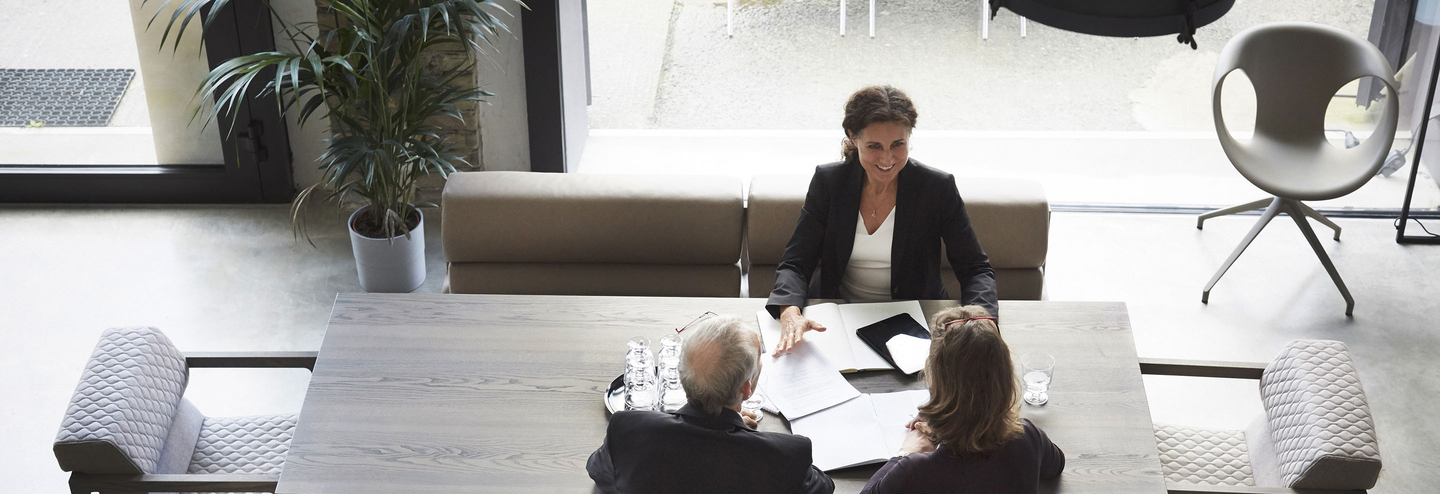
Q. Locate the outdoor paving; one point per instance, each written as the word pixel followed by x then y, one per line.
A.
pixel 787 67
pixel 1096 119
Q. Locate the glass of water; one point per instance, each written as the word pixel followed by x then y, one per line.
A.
pixel 753 405
pixel 1038 368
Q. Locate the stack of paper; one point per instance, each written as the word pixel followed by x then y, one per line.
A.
pixel 803 382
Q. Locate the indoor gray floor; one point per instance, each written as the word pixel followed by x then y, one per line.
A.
pixel 233 278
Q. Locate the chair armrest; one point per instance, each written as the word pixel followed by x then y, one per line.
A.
pixel 252 359
pixel 1201 368
pixel 80 482
pixel 1245 489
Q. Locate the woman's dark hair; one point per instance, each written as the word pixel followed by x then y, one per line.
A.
pixel 974 395
pixel 874 104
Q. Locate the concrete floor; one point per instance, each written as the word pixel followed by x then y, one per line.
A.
pixel 234 278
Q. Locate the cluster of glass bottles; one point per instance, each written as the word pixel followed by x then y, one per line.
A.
pixel 651 382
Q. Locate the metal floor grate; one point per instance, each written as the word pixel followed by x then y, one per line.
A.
pixel 61 97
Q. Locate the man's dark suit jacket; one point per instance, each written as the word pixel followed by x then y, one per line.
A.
pixel 1017 468
pixel 928 209
pixel 690 451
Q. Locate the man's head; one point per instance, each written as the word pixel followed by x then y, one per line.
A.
pixel 721 363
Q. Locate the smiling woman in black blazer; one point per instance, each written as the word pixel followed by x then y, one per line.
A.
pixel 873 224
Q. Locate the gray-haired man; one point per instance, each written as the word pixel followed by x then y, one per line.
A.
pixel 707 446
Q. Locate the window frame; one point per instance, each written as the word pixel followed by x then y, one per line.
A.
pixel 257 151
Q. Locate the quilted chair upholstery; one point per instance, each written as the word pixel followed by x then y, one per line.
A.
pixel 1319 420
pixel 1316 432
pixel 1203 457
pixel 243 444
pixel 120 415
pixel 128 417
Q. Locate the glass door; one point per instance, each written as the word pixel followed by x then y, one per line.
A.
pixel 93 108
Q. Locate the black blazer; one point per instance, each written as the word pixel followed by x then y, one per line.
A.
pixel 1017 468
pixel 691 451
pixel 927 208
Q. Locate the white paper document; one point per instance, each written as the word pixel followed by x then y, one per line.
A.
pixel 908 352
pixel 803 382
pixel 838 342
pixel 867 429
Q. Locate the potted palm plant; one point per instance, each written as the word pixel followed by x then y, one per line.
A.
pixel 383 102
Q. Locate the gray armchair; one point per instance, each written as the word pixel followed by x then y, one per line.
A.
pixel 129 428
pixel 1316 434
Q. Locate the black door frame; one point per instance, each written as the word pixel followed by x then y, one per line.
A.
pixel 257 150
pixel 545 90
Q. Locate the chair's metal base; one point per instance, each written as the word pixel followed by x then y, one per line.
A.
pixel 1250 206
pixel 1297 212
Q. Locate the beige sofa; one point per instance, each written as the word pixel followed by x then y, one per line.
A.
pixel 680 235
pixel 574 234
pixel 1011 217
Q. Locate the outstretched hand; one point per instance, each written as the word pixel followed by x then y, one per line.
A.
pixel 793 326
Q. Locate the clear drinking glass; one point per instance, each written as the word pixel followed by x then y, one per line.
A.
pixel 672 394
pixel 640 392
pixel 1038 369
pixel 753 404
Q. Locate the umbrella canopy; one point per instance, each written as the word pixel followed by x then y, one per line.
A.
pixel 1121 18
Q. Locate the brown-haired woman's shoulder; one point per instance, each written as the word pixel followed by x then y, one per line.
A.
pixel 1052 459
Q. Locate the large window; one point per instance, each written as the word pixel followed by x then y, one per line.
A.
pixel 95 109
pixel 1100 121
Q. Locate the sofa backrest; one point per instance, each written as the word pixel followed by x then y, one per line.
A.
pixel 120 415
pixel 1319 419
pixel 1011 218
pixel 585 234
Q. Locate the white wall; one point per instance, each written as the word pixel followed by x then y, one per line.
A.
pixel 306 143
pixel 504 126
pixel 170 76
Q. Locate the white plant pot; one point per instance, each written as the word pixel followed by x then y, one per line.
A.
pixel 389 266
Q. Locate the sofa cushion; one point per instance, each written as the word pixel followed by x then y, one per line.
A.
pixel 1319 418
pixel 523 217
pixel 1011 218
pixel 121 412
pixel 640 280
pixel 1012 284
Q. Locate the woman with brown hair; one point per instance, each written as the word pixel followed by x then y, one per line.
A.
pixel 873 223
pixel 969 438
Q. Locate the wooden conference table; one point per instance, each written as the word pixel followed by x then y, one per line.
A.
pixel 419 394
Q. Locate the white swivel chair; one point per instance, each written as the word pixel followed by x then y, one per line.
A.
pixel 1296 68
pixel 1316 433
pixel 129 429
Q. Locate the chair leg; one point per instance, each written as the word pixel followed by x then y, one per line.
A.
pixel 872 18
pixel 985 19
pixel 1232 210
pixel 842 17
pixel 1298 214
pixel 1270 212
pixel 730 18
pixel 1311 212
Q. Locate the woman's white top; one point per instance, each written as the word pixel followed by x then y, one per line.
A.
pixel 867 276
